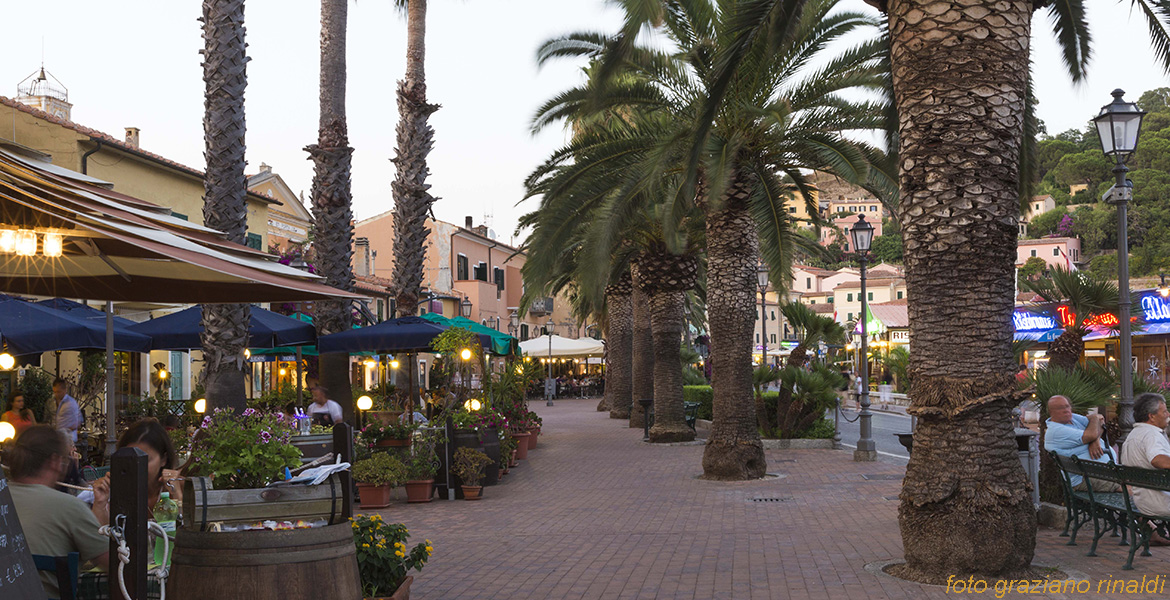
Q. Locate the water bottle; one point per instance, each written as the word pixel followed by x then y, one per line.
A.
pixel 166 514
pixel 304 424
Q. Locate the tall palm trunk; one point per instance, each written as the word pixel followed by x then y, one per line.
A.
pixel 642 375
pixel 412 201
pixel 733 450
pixel 959 74
pixel 619 365
pixel 666 278
pixel 225 326
pixel 1065 351
pixel 332 212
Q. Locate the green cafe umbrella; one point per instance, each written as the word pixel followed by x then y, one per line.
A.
pixel 502 343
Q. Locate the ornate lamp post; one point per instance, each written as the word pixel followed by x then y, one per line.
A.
pixel 465 308
pixel 862 234
pixel 1118 126
pixel 762 279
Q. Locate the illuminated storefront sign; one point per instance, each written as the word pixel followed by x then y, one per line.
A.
pixel 1155 308
pixel 1026 321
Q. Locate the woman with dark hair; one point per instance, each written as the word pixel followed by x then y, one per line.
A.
pixel 20 417
pixel 149 436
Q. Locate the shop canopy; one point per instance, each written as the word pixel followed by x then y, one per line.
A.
pixel 79 310
pixel 30 328
pixel 266 329
pixel 502 343
pixel 116 247
pixel 561 347
pixel 404 334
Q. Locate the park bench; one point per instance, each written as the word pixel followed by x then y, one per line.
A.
pixel 1117 509
pixel 1081 507
pixel 690 414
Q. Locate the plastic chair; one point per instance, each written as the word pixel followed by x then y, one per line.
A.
pixel 66 568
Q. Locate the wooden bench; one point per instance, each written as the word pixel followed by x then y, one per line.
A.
pixel 1136 528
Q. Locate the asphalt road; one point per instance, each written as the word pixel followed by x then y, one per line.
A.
pixel 885 425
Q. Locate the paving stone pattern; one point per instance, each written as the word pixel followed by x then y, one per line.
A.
pixel 595 513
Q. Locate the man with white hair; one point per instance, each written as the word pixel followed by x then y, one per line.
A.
pixel 1148 448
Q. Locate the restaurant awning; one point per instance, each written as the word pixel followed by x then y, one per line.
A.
pixel 266 329
pixel 502 343
pixel 539 347
pixel 404 334
pixel 116 247
pixel 30 328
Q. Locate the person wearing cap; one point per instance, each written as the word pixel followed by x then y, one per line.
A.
pixel 322 405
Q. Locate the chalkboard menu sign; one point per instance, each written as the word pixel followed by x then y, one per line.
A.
pixel 19 579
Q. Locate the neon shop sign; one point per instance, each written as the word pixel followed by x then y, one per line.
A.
pixel 1155 308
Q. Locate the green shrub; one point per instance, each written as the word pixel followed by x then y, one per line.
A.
pixel 37 386
pixel 380 469
pixel 823 429
pixel 701 394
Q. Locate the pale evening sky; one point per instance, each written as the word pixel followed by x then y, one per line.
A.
pixel 136 63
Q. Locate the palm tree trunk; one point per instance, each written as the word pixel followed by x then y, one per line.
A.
pixel 412 201
pixel 666 321
pixel 1065 351
pixel 959 73
pixel 642 375
pixel 733 450
pixel 619 365
pixel 332 199
pixel 225 326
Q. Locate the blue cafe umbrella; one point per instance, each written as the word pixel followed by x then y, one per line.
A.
pixel 80 310
pixel 266 329
pixel 28 328
pixel 404 334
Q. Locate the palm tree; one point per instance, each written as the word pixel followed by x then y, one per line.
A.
pixel 960 78
pixel 412 200
pixel 738 139
pixel 225 326
pixel 813 329
pixel 332 199
pixel 1086 296
pixel 642 346
pixel 619 348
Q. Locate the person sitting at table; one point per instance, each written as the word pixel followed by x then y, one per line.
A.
pixel 323 406
pixel 1070 434
pixel 149 436
pixel 20 417
pixel 1148 448
pixel 54 523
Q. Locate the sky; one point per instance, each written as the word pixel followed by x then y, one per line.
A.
pixel 136 63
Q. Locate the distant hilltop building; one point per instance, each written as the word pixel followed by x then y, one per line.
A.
pixel 43 91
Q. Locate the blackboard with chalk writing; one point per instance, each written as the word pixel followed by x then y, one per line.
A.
pixel 19 579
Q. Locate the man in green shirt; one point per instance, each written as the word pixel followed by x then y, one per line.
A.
pixel 54 523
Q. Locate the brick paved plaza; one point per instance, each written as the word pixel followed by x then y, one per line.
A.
pixel 595 513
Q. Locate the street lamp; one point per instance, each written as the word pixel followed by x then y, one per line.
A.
pixel 465 308
pixel 762 279
pixel 549 386
pixel 862 234
pixel 1163 289
pixel 1118 126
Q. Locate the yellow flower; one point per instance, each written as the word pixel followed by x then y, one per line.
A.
pixel 399 554
pixel 365 545
pixel 429 549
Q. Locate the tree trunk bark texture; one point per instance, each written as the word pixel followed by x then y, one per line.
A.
pixel 642 346
pixel 1065 351
pixel 959 72
pixel 733 450
pixel 619 365
pixel 667 321
pixel 332 199
pixel 412 199
pixel 225 326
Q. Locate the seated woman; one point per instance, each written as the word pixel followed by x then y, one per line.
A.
pixel 54 523
pixel 20 417
pixel 149 436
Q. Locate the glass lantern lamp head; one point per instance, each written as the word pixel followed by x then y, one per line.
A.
pixel 762 276
pixel 465 308
pixel 1118 126
pixel 862 234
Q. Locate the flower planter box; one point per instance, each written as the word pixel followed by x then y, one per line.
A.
pixel 402 593
pixel 472 492
pixel 203 504
pixel 522 444
pixel 533 434
pixel 374 496
pixel 419 491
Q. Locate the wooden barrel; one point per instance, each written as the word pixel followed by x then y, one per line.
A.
pixel 265 565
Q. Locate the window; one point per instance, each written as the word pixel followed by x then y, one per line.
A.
pixel 773 336
pixel 792 210
pixel 253 241
pixel 498 277
pixel 524 331
pixel 900 292
pixel 380 317
pixel 1033 253
pixel 829 300
pixel 872 208
pixel 849 317
pixel 773 315
pixel 481 272
pixel 461 268
pixel 808 283
pixel 849 297
pixel 757 338
pixel 870 296
pixel 1056 251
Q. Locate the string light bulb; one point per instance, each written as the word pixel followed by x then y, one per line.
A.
pixel 7 241
pixel 54 245
pixel 26 242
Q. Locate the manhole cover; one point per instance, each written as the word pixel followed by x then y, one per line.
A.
pixel 881 476
pixel 784 499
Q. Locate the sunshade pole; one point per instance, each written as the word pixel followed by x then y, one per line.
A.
pixel 300 399
pixel 410 387
pixel 111 408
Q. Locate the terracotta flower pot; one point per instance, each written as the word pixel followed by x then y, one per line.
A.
pixel 374 496
pixel 419 491
pixel 402 593
pixel 392 443
pixel 522 445
pixel 532 435
pixel 472 492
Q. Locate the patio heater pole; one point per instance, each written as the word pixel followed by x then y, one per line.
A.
pixel 111 406
pixel 300 393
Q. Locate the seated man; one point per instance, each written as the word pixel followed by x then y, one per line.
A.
pixel 1147 448
pixel 54 523
pixel 1070 434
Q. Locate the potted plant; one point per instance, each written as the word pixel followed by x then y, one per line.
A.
pixel 507 452
pixel 468 467
pixel 383 559
pixel 394 434
pixel 375 476
pixel 420 478
pixel 534 423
